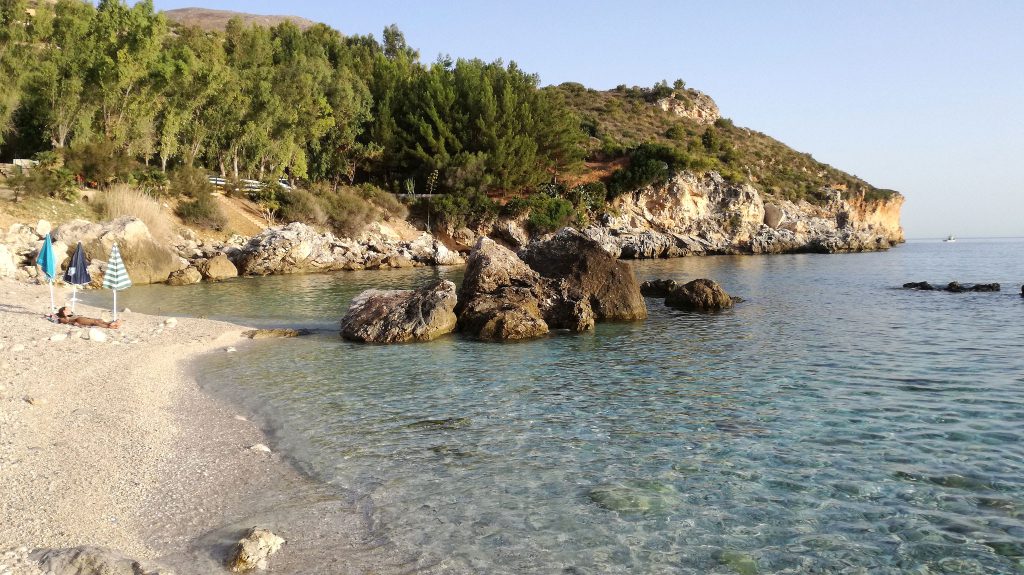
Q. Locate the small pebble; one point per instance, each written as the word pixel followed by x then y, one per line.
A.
pixel 171 322
pixel 35 401
pixel 261 448
pixel 238 417
pixel 17 348
pixel 230 350
pixel 58 337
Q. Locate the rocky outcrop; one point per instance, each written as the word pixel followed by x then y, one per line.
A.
pixel 565 282
pixel 21 244
pixel 253 550
pixel 298 248
pixel 699 215
pixel 89 560
pixel 146 260
pixel 608 285
pixel 657 288
pixel 693 105
pixel 698 295
pixel 8 269
pixel 397 316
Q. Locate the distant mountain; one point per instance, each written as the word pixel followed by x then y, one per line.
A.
pixel 217 20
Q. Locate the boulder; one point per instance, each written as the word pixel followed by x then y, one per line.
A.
pixel 923 286
pixel 608 284
pixel 502 298
pixel 294 248
pixel 187 276
pixel 657 288
pixel 253 550
pixel 773 216
pixel 90 560
pixel 217 268
pixel 957 287
pixel 7 266
pixel 699 295
pixel 43 227
pixel 146 260
pixel 511 314
pixel 394 316
pixel 512 232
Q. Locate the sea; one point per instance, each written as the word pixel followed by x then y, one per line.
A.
pixel 832 422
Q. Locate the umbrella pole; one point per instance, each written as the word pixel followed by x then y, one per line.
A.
pixel 53 309
pixel 115 304
pixel 74 298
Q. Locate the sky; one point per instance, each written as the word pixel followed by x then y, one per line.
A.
pixel 924 97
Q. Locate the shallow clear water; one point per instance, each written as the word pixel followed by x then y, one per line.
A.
pixel 831 423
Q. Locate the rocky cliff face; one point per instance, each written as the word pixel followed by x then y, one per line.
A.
pixel 694 215
pixel 697 106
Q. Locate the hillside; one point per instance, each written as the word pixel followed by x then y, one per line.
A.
pixel 687 125
pixel 217 20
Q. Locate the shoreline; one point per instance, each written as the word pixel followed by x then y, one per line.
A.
pixel 115 444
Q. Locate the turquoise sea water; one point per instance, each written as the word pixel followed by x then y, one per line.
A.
pixel 831 423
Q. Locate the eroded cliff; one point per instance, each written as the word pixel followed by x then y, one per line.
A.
pixel 703 214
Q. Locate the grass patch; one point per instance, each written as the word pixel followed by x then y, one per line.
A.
pixel 121 200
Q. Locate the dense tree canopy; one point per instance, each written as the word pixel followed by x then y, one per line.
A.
pixel 269 102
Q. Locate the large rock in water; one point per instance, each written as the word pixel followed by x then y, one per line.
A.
pixel 217 268
pixel 699 295
pixel 500 298
pixel 294 248
pixel 146 260
pixel 395 316
pixel 605 282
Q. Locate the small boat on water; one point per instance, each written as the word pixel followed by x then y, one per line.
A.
pixel 950 239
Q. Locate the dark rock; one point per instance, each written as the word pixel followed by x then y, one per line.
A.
pixel 985 287
pixel 394 316
pixel 957 287
pixel 657 288
pixel 608 284
pixel 511 314
pixel 274 333
pixel 923 286
pixel 447 423
pixel 699 295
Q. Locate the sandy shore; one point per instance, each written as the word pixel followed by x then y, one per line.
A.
pixel 113 443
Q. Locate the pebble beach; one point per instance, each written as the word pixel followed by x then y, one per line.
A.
pixel 107 440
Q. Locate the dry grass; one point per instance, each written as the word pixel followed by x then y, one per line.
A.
pixel 122 200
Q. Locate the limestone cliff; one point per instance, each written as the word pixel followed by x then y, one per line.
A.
pixel 703 214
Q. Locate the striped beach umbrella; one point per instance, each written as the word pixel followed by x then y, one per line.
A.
pixel 48 263
pixel 116 276
pixel 77 273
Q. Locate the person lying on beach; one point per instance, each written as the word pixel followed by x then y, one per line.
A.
pixel 64 317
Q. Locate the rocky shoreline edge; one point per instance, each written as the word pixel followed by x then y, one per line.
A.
pixel 110 450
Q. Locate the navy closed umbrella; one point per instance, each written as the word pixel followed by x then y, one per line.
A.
pixel 77 273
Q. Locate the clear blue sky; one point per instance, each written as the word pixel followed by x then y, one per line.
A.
pixel 925 97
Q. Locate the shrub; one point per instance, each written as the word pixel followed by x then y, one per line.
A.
pixel 48 178
pixel 459 209
pixel 348 213
pixel 122 200
pixel 99 163
pixel 302 206
pixel 549 214
pixel 390 205
pixel 202 211
pixel 190 182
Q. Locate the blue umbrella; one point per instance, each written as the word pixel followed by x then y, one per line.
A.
pixel 48 263
pixel 77 273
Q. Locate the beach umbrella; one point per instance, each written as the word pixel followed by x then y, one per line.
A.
pixel 116 277
pixel 77 273
pixel 46 261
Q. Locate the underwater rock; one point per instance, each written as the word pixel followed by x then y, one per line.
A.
pixel 699 295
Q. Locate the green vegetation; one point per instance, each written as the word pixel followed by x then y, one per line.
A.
pixel 622 122
pixel 113 93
